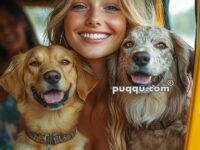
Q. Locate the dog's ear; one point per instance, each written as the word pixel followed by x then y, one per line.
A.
pixel 184 55
pixel 86 81
pixel 11 80
pixel 112 62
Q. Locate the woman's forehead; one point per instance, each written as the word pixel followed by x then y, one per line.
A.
pixel 5 16
pixel 94 1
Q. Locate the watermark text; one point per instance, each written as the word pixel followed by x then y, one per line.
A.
pixel 138 89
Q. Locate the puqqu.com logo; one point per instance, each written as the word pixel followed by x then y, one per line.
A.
pixel 141 89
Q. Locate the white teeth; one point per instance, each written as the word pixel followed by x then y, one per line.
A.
pixel 94 36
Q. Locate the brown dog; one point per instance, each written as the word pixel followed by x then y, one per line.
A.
pixel 50 86
pixel 152 58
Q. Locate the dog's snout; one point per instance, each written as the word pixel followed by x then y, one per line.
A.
pixel 52 77
pixel 141 58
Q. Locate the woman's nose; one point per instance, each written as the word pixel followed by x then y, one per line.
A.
pixel 94 18
pixel 5 29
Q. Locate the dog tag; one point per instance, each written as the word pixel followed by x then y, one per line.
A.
pixel 48 147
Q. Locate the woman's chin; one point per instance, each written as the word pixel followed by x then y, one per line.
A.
pixel 95 55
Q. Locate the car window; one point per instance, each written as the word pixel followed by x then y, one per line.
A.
pixel 182 19
pixel 39 16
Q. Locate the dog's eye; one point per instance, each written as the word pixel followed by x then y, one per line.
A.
pixel 35 63
pixel 160 45
pixel 64 62
pixel 128 44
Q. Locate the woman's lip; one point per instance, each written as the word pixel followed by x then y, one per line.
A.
pixel 94 37
pixel 93 32
pixel 93 41
pixel 10 38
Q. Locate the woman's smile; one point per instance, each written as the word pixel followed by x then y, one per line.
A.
pixel 97 29
pixel 94 37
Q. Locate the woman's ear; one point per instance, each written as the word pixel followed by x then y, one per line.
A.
pixel 12 79
pixel 184 54
pixel 24 24
pixel 86 82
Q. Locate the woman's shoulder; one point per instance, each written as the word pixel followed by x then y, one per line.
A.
pixel 3 66
pixel 3 93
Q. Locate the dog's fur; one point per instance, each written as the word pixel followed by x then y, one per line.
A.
pixel 26 71
pixel 152 56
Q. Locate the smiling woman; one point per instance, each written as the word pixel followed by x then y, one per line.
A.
pixel 95 29
pixel 16 33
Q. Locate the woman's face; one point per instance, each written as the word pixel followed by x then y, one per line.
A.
pixel 12 33
pixel 95 28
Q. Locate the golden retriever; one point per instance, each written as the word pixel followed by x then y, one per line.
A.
pixel 50 85
pixel 149 119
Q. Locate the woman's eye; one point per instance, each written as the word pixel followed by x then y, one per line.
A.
pixel 78 7
pixel 35 63
pixel 160 45
pixel 12 22
pixel 112 8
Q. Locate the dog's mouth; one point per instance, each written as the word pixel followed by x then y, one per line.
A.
pixel 141 78
pixel 52 99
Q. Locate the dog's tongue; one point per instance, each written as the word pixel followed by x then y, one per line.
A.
pixel 141 78
pixel 53 97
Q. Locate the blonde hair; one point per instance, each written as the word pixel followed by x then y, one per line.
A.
pixel 137 12
pixel 55 27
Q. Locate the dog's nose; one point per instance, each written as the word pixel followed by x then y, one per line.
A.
pixel 141 58
pixel 52 77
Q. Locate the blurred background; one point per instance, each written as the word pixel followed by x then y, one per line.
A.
pixel 38 15
pixel 182 18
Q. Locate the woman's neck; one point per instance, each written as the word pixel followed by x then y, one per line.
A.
pixel 23 48
pixel 99 67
